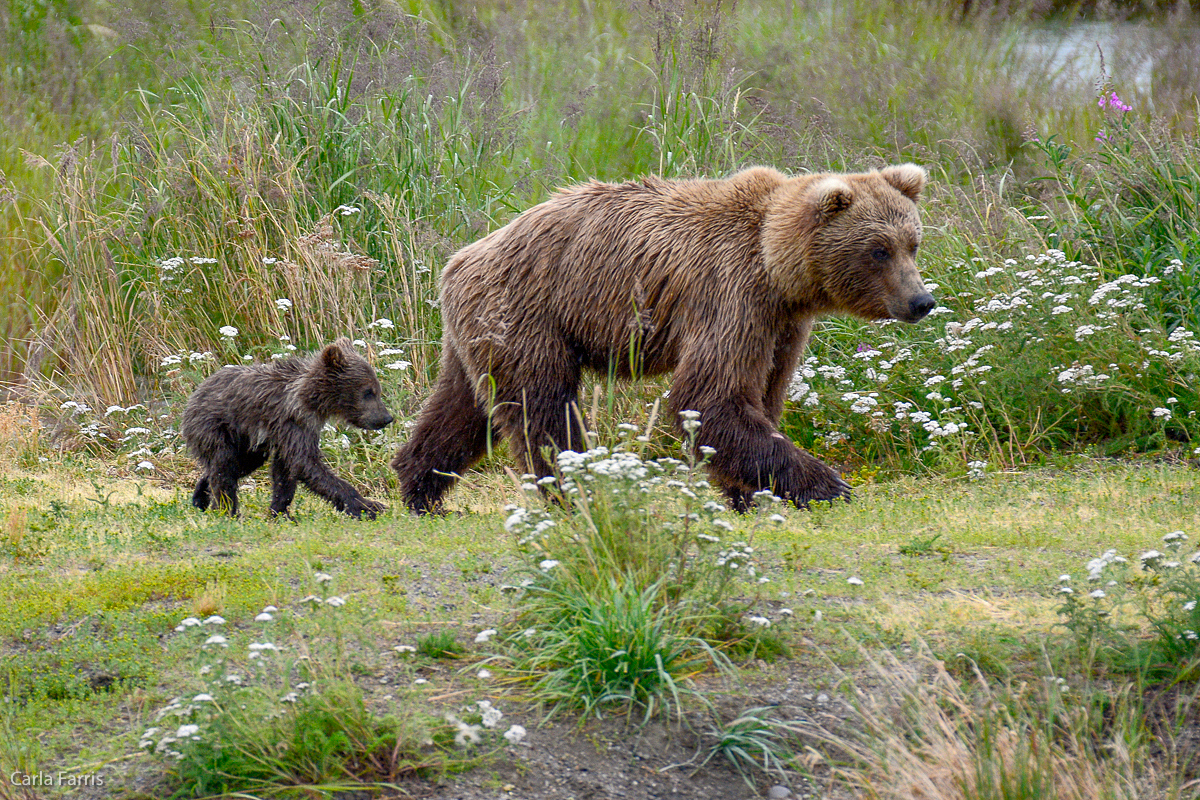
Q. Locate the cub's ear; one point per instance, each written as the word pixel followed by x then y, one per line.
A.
pixel 830 197
pixel 908 179
pixel 333 357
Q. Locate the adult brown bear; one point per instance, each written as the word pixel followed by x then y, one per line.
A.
pixel 718 280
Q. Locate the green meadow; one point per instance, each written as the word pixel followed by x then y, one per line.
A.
pixel 1007 609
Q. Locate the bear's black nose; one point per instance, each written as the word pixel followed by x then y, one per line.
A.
pixel 921 305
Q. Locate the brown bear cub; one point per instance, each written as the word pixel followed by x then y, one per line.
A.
pixel 718 280
pixel 245 414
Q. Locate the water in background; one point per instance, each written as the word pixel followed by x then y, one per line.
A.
pixel 1147 60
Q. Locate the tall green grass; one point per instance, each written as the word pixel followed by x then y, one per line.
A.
pixel 180 170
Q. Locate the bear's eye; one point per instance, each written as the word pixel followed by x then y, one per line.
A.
pixel 369 394
pixel 880 254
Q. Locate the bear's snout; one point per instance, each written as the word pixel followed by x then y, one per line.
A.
pixel 919 306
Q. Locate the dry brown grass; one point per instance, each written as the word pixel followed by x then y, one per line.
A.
pixel 925 735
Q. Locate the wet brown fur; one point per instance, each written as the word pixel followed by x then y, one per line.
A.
pixel 243 415
pixel 718 280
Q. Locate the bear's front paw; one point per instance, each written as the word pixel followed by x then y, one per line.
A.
pixel 361 507
pixel 820 483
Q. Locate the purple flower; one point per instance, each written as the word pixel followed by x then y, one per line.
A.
pixel 1113 100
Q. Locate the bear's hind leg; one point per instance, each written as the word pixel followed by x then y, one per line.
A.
pixel 451 434
pixel 543 417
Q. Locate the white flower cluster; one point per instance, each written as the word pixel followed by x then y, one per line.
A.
pixel 1045 307
pixel 489 717
pixel 1082 375
pixel 193 358
pixel 1098 566
pixel 1124 299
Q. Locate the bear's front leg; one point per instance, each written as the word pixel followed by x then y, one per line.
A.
pixel 283 488
pixel 752 456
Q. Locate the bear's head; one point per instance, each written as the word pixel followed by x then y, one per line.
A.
pixel 848 243
pixel 341 383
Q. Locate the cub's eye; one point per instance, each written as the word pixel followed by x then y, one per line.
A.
pixel 880 254
pixel 369 394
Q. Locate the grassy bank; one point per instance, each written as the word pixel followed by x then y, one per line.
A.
pixel 99 573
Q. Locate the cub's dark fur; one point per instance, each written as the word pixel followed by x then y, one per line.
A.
pixel 246 414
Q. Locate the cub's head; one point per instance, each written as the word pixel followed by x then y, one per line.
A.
pixel 340 383
pixel 848 243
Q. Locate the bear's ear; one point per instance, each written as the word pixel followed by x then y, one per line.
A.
pixel 908 179
pixel 830 197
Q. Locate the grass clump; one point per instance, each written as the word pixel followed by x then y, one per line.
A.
pixel 612 646
pixel 755 741
pixel 440 644
pixel 635 581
